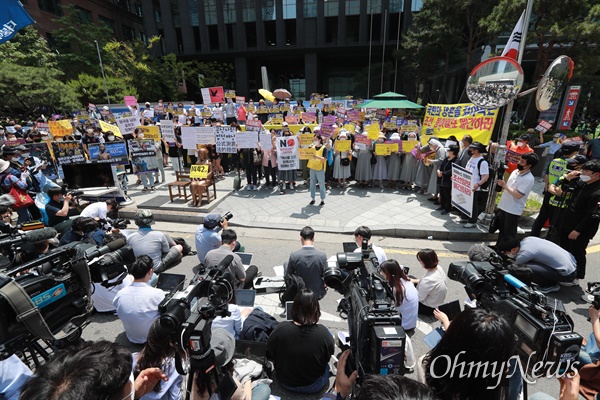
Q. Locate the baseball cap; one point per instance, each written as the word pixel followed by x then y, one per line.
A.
pixel 285 124
pixel 525 138
pixel 557 135
pixel 570 147
pixel 211 220
pixel 223 345
pixel 579 159
pixel 4 165
pixel 479 146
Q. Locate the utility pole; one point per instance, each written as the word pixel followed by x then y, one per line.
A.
pixel 102 69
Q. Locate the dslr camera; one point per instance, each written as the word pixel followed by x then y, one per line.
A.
pixel 377 340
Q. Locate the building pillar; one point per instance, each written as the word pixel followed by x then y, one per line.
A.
pixel 170 37
pixel 186 28
pixel 241 77
pixel 311 73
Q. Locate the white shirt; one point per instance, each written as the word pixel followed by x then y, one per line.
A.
pixel 522 183
pixel 169 390
pixel 432 287
pixel 103 297
pixel 95 210
pixel 13 374
pixel 379 253
pixel 409 308
pixel 232 324
pixel 477 173
pixel 137 307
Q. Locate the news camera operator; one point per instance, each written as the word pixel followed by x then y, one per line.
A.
pixel 579 222
pixel 101 209
pixel 85 230
pixel 59 209
pixel 207 234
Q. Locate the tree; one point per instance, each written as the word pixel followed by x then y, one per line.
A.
pixel 29 76
pixel 91 89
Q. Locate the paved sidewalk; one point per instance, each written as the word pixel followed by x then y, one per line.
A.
pixel 388 212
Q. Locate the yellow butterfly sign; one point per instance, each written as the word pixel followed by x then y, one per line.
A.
pixel 199 171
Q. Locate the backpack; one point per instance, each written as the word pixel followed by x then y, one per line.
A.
pixel 486 184
pixel 292 285
pixel 258 326
pixel 187 249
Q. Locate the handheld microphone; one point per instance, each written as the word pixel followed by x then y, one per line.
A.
pixel 94 252
pixel 518 284
pixel 34 236
pixel 224 264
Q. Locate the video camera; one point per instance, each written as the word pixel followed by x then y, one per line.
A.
pixel 594 289
pixel 73 193
pixel 188 315
pixel 50 297
pixel 543 329
pixel 377 340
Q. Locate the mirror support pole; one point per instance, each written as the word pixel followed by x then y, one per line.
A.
pixel 501 151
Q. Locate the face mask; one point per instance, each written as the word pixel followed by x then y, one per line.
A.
pixel 521 144
pixel 140 136
pixel 111 138
pixel 469 152
pixel 520 167
pixel 585 178
pixel 90 131
pixel 315 143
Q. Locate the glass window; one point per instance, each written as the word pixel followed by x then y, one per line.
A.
pixel 125 4
pixel 268 10
pixel 229 11
pixel 138 9
pixel 353 7
pixel 108 22
pixel 210 12
pixel 249 11
pixel 331 8
pixel 289 9
pixel 417 5
pixel 156 10
pixel 396 6
pixel 310 8
pixel 51 6
pixel 290 32
pixel 143 37
pixel 85 16
pixel 174 4
pixel 193 10
pixel 251 34
pixel 128 32
pixel 374 6
pixel 298 87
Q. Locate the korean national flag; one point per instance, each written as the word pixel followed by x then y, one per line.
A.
pixel 12 19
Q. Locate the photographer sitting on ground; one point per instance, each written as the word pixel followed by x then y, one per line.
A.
pixel 95 370
pixel 59 209
pixel 301 348
pixel 431 287
pixel 163 250
pixel 83 229
pixel 207 235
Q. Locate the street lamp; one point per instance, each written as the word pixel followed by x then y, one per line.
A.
pixel 102 69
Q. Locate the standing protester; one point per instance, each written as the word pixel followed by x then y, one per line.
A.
pixel 230 112
pixel 520 146
pixel 444 174
pixel 582 217
pixel 316 166
pixel 514 197
pixel 553 146
pixel 480 169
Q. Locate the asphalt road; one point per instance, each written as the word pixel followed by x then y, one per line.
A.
pixel 272 247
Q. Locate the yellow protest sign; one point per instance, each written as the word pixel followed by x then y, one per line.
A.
pixel 110 128
pixel 306 153
pixel 373 131
pixel 349 127
pixel 199 171
pixel 389 124
pixel 444 120
pixel 150 132
pixel 306 139
pixel 342 145
pixel 383 149
pixel 60 128
pixel 408 145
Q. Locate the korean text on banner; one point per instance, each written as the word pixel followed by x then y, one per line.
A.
pixel 109 152
pixel 409 145
pixel 266 142
pixel 382 149
pixel 306 153
pixel 70 152
pixel 373 131
pixel 225 139
pixel 106 127
pixel 143 156
pixel 309 117
pixel 362 142
pixel 246 140
pixel 167 130
pixel 444 120
pixel 14 18
pixel 199 171
pixel 306 139
pixel 127 125
pixel 254 126
pixel 287 153
pixel 150 132
pixel 394 145
pixel 462 189
pixel 191 136
pixel 60 128
pixel 342 145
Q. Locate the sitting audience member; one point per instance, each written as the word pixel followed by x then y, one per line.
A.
pixel 590 352
pixel 405 293
pixel 159 352
pixel 102 297
pixel 137 304
pixel 13 374
pixel 161 248
pixel 83 229
pixel 207 235
pixel 363 232
pixel 100 209
pixel 223 345
pixel 59 209
pixel 475 336
pixel 231 323
pixel 95 370
pixel 306 342
pixel 432 286
pixel 550 263
pixel 308 263
pixel 239 278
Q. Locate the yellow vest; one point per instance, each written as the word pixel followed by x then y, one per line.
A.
pixel 317 164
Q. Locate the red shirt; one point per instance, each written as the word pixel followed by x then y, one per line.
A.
pixel 511 149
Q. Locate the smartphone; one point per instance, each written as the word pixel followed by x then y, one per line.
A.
pixel 225 389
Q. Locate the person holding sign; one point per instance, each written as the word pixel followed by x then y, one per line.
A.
pixel 409 169
pixel 480 169
pixel 379 168
pixel 394 162
pixel 201 175
pixel 316 166
pixel 363 166
pixel 341 166
pixel 514 150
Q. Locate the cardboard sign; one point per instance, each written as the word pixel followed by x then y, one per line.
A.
pixel 306 139
pixel 199 171
pixel 106 127
pixel 342 145
pixel 306 153
pixel 213 95
pixel 69 152
pixel 59 128
pixel 246 140
pixel 291 119
pixel 253 126
pixel 150 132
pixel 127 125
pixel 130 101
pixel 409 145
pixel 462 189
pixel 266 142
pixel 225 139
pixel 149 113
pixel 309 117
pixel 167 130
pixel 373 131
pixel 382 149
pixel 287 153
pixel 192 136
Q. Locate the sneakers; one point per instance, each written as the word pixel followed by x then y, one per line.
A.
pixel 574 282
pixel 248 187
pixel 322 203
pixel 254 187
pixel 282 192
pixel 470 225
pixel 312 202
pixel 548 289
pixel 293 185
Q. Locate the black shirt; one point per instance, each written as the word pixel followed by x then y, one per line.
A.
pixel 579 215
pixel 300 353
pixel 51 209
